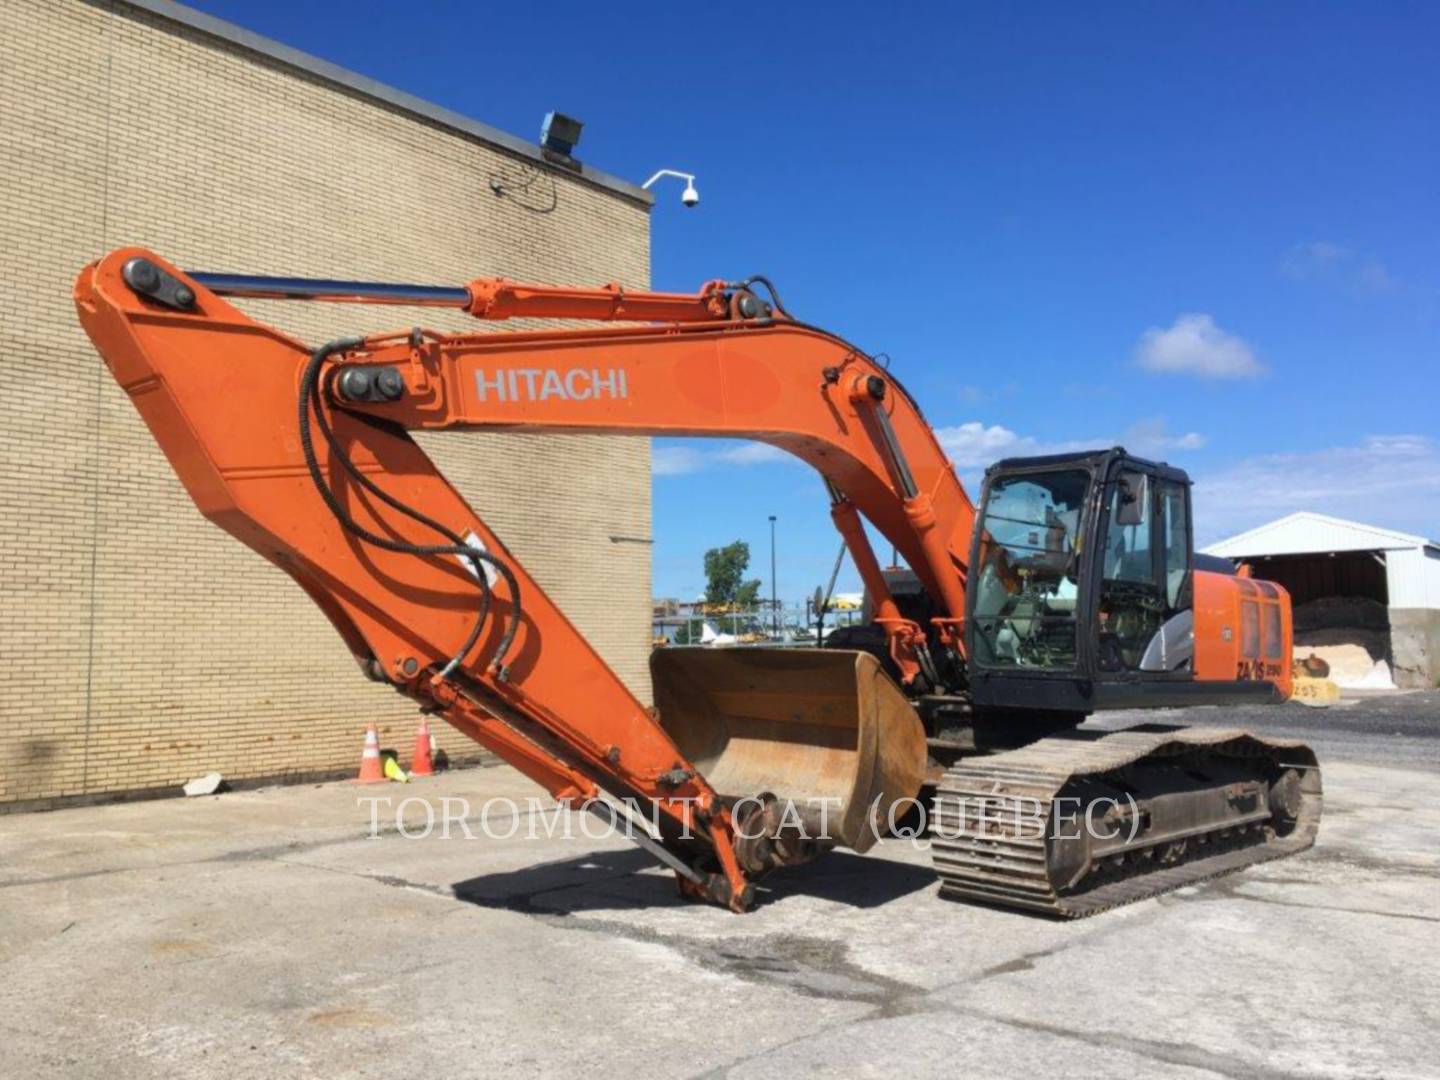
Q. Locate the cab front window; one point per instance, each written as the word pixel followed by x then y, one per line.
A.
pixel 1027 571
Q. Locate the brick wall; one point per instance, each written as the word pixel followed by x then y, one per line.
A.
pixel 139 645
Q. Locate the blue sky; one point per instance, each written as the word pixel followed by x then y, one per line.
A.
pixel 1207 231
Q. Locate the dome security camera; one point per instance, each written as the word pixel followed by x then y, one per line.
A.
pixel 689 197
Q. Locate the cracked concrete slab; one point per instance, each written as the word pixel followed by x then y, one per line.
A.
pixel 944 1044
pixel 267 932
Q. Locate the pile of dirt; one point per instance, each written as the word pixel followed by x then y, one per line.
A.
pixel 1375 643
pixel 1351 634
pixel 1351 666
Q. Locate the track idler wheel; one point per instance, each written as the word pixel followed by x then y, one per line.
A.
pixel 1286 800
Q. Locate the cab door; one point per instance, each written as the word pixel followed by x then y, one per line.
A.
pixel 1144 618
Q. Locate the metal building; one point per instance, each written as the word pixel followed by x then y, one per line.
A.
pixel 1376 578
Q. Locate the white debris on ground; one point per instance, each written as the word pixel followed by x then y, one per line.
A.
pixel 209 784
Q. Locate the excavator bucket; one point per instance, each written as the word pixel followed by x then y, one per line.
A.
pixel 825 731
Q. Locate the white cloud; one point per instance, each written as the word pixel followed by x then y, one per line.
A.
pixel 970 446
pixel 1387 480
pixel 1327 261
pixel 1195 345
pixel 668 459
pixel 976 445
pixel 1304 260
pixel 752 453
pixel 675 460
pixel 1149 438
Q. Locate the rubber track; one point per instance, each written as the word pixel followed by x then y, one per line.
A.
pixel 1004 861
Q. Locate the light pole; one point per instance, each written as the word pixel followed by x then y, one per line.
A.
pixel 774 603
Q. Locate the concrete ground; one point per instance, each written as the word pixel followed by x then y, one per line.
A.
pixel 264 934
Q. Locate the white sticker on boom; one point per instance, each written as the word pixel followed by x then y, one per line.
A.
pixel 475 543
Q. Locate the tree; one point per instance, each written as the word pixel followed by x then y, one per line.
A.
pixel 725 576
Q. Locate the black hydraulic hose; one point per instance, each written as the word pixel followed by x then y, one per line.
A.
pixel 310 397
pixel 311 381
pixel 770 288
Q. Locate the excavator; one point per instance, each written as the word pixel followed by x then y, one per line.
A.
pixel 1071 589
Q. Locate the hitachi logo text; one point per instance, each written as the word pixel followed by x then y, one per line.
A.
pixel 537 384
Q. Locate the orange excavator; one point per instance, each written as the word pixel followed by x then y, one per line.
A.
pixel 1074 588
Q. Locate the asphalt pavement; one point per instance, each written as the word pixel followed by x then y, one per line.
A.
pixel 1372 727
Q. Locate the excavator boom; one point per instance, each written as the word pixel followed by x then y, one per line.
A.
pixel 754 758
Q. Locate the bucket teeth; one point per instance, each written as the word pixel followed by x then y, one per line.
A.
pixel 993 838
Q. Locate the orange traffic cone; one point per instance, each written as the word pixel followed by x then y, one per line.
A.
pixel 422 765
pixel 371 771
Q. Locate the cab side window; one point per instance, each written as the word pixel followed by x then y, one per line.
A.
pixel 1127 547
pixel 1130 601
pixel 1177 547
pixel 1145 617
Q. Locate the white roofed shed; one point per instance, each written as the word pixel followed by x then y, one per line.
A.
pixel 1318 558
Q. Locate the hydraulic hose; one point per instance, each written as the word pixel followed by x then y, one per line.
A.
pixel 310 399
pixel 770 288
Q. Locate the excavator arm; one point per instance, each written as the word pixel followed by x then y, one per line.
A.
pixel 304 455
pixel 752 758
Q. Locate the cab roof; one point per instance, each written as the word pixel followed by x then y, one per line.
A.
pixel 1088 459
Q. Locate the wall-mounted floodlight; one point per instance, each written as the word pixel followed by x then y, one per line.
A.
pixel 560 133
pixel 690 197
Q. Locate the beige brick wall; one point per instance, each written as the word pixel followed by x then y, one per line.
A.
pixel 139 645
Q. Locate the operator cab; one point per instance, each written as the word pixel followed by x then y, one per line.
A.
pixel 1081 587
